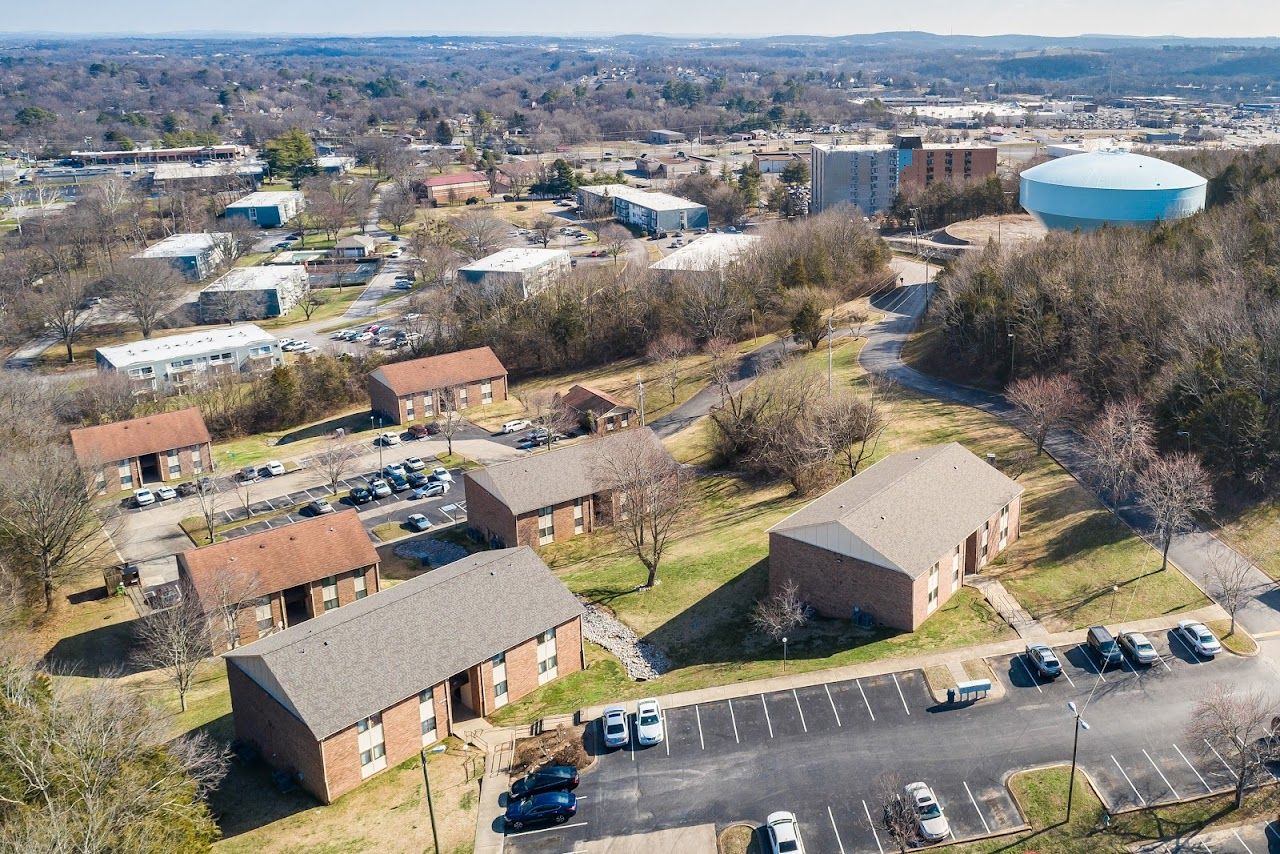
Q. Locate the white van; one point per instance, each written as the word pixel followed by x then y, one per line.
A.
pixel 515 426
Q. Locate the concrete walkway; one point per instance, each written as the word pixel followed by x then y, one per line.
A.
pixel 1256 838
pixel 883 667
pixel 1027 626
pixel 1195 553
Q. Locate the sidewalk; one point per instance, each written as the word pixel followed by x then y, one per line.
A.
pixel 896 665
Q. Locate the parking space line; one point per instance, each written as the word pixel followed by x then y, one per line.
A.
pixel 666 733
pixel 1242 842
pixel 834 710
pixel 1160 658
pixel 698 715
pixel 1193 768
pixel 1195 657
pixel 734 720
pixel 799 709
pixel 1220 759
pixel 835 829
pixel 1093 667
pixel 1271 829
pixel 553 827
pixel 1127 780
pixel 766 715
pixel 975 806
pixel 901 696
pixel 1161 773
pixel 1034 680
pixel 1070 681
pixel 864 700
pixel 632 742
pixel 872 825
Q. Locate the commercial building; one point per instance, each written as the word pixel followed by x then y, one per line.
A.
pixel 263 583
pixel 598 411
pixel 455 188
pixel 220 175
pixel 339 698
pixel 708 253
pixel 404 392
pixel 870 176
pixel 196 256
pixel 649 212
pixel 772 163
pixel 252 293
pixel 137 156
pixel 895 542
pixel 665 137
pixel 525 270
pixel 666 167
pixel 158 448
pixel 176 362
pixel 335 164
pixel 268 209
pixel 552 496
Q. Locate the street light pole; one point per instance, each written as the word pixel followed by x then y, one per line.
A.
pixel 1012 341
pixel 831 383
pixel 784 654
pixel 431 807
pixel 1080 724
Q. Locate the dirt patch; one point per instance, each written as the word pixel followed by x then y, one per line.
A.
pixel 561 746
pixel 739 839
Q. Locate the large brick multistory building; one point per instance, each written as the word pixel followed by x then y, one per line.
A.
pixel 161 448
pixel 555 495
pixel 278 578
pixel 341 697
pixel 896 541
pixel 404 392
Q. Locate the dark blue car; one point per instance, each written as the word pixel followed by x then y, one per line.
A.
pixel 553 778
pixel 546 808
pixel 398 483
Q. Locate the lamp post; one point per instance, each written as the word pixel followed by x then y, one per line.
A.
pixel 1012 341
pixel 377 440
pixel 784 653
pixel 1115 591
pixel 1080 724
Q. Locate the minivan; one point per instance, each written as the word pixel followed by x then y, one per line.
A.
pixel 1104 647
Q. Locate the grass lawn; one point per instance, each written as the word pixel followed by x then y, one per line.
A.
pixel 1240 642
pixel 260 447
pixel 503 210
pixel 339 300
pixel 1254 530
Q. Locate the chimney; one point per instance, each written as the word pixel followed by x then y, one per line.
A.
pixel 991 459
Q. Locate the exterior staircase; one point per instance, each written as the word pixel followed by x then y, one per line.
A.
pixel 1027 626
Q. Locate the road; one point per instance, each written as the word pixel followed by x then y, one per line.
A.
pixel 1196 553
pixel 823 751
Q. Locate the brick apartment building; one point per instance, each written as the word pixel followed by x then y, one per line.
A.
pixel 161 448
pixel 896 541
pixel 940 162
pixel 404 392
pixel 551 496
pixel 598 411
pixel 284 576
pixel 341 697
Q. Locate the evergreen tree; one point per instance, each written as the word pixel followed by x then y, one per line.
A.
pixel 444 133
pixel 292 155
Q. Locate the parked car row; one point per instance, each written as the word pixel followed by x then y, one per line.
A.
pixel 1109 651
pixel 543 797
pixel 648 723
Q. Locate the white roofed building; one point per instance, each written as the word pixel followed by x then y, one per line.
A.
pixel 175 362
pixel 195 255
pixel 527 269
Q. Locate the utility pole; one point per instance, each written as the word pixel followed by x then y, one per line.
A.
pixel 640 395
pixel 1012 341
pixel 431 808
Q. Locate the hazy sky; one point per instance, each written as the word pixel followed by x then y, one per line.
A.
pixel 738 17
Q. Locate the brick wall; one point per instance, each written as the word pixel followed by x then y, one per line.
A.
pixel 111 469
pixel 383 401
pixel 834 584
pixel 394 409
pixel 562 518
pixel 487 514
pixel 982 165
pixel 281 739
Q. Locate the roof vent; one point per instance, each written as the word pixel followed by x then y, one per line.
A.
pixel 991 459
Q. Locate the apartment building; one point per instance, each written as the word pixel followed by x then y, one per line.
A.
pixel 404 392
pixel 174 362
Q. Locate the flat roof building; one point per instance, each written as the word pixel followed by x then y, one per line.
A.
pixel 156 448
pixel 870 176
pixel 662 136
pixel 252 293
pixel 709 253
pixel 268 209
pixel 159 155
pixel 649 212
pixel 526 270
pixel 195 255
pixel 175 362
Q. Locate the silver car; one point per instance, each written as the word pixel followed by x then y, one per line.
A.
pixel 614 725
pixel 929 816
pixel 1199 638
pixel 1138 648
pixel 649 730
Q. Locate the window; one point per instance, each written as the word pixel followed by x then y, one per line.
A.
pixel 408 408
pixel 933 587
pixel 362 585
pixel 486 392
pixel 427 405
pixel 462 397
pixel 500 680
pixel 100 483
pixel 142 373
pixel 608 424
pixel 546 526
pixel 955 568
pixel 577 516
pixel 427 712
pixel 197 460
pixel 373 751
pixel 1004 526
pixel 547 657
pixel 625 419
pixel 221 358
pixel 330 592
pixel 175 464
pixel 262 616
pixel 126 474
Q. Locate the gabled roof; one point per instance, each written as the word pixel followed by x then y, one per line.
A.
pixel 356 241
pixel 455 178
pixel 287 556
pixel 906 511
pixel 581 398
pixel 346 664
pixel 556 476
pixel 444 371
pixel 122 440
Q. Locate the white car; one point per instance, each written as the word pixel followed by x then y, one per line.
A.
pixel 441 473
pixel 783 832
pixel 414 464
pixel 933 824
pixel 389 438
pixel 165 493
pixel 1199 638
pixel 320 507
pixel 143 497
pixel 363 336
pixel 393 468
pixel 614 725
pixel 418 522
pixel 275 468
pixel 305 349
pixel 516 426
pixel 649 729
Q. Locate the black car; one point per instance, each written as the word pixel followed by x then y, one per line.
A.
pixel 398 483
pixel 546 808
pixel 361 495
pixel 1104 647
pixel 553 778
pixel 417 479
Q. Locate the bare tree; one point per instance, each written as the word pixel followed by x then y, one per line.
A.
pixel 207 501
pixel 780 613
pixel 58 306
pixel 1046 402
pixel 1239 725
pixel 450 419
pixel 614 239
pixel 335 462
pixel 48 527
pixel 1231 582
pixel 1172 489
pixel 244 489
pixel 434 257
pixel 397 207
pixel 227 596
pixel 667 352
pixel 145 290
pixel 311 299
pixel 545 228
pixel 104 398
pixel 897 814
pixel 850 425
pixel 649 491
pixel 1119 443
pixel 480 233
pixel 439 159
pixel 176 640
pixel 336 204
pixel 520 174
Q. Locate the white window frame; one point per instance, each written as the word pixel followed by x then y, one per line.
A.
pixel 578 524
pixel 955 569
pixel 427 715
pixel 408 408
pixel 547 531
pixel 486 392
pixel 933 589
pixel 371 745
pixel 547 658
pixel 124 470
pixel 328 585
pixel 500 686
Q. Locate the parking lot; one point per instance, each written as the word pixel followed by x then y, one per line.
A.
pixel 826 752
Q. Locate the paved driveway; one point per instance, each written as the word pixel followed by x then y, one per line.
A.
pixel 822 751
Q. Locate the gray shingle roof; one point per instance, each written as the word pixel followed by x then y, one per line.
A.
pixel 346 664
pixel 553 477
pixel 910 508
